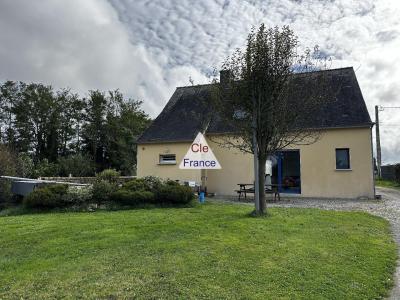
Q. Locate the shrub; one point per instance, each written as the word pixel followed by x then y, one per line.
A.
pixel 102 190
pixel 152 190
pixel 152 183
pixel 8 167
pixel 148 183
pixel 109 175
pixel 175 194
pixel 50 196
pixel 77 195
pixel 46 169
pixel 136 184
pixel 41 198
pixel 172 182
pixel 57 196
pixel 127 197
pixel 77 165
pixel 59 189
pixel 26 167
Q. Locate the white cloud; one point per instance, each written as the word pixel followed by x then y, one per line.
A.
pixel 82 45
pixel 364 34
pixel 147 48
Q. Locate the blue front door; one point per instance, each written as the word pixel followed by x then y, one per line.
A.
pixel 286 171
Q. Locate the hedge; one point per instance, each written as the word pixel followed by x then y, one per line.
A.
pixel 50 196
pixel 175 194
pixel 126 197
pixel 149 190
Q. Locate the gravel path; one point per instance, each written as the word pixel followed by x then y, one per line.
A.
pixel 388 207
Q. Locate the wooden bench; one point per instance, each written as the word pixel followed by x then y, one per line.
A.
pixel 269 189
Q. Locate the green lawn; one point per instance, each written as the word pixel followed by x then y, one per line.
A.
pixel 388 183
pixel 209 251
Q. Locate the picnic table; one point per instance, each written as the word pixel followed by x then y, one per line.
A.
pixel 248 188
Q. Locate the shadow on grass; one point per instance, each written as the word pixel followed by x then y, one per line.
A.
pixel 255 214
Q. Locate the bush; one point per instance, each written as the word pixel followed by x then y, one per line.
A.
pixel 77 165
pixel 152 183
pixel 102 190
pixel 172 182
pixel 77 195
pixel 136 184
pixel 57 196
pixel 50 196
pixel 41 198
pixel 175 194
pixel 59 189
pixel 127 197
pixel 26 167
pixel 8 167
pixel 152 190
pixel 109 175
pixel 149 184
pixel 46 169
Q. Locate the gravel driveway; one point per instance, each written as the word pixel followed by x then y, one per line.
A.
pixel 388 207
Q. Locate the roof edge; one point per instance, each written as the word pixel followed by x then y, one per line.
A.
pixel 370 125
pixel 315 71
pixel 164 142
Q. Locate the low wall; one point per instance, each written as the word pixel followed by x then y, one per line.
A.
pixel 87 180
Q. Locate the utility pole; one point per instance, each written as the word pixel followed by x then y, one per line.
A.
pixel 378 142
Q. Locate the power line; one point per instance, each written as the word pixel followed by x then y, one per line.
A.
pixel 389 124
pixel 381 108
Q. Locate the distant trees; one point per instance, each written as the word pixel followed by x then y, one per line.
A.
pixel 9 166
pixel 53 127
pixel 94 128
pixel 125 123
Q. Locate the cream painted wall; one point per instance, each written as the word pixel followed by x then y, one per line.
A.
pixel 318 175
pixel 237 167
pixel 148 162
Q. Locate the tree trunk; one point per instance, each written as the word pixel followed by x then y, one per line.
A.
pixel 261 182
pixel 256 162
pixel 256 176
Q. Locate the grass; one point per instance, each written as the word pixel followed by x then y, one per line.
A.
pixel 388 183
pixel 209 251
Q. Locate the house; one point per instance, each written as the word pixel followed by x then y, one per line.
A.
pixel 339 164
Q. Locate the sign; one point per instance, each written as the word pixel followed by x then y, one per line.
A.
pixel 192 183
pixel 199 156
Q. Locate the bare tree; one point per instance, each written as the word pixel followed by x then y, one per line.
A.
pixel 269 95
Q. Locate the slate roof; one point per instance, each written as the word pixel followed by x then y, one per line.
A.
pixel 181 118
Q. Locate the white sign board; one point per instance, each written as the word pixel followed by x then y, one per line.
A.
pixel 199 156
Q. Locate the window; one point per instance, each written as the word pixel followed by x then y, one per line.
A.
pixel 167 159
pixel 342 159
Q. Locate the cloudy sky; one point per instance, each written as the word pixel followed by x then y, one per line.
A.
pixel 148 47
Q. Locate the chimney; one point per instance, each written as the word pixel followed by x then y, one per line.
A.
pixel 224 77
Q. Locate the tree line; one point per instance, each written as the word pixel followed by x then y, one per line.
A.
pixel 62 132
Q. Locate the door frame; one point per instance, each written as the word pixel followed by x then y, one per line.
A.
pixel 279 175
